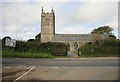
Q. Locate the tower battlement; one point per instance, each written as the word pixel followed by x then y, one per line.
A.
pixel 47 14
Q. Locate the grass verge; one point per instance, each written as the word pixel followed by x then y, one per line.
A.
pixel 15 54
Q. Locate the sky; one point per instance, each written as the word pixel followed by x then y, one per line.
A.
pixel 21 19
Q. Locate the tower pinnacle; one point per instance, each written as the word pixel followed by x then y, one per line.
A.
pixel 52 9
pixel 42 9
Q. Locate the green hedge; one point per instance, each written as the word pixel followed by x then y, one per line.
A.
pixel 55 48
pixel 105 48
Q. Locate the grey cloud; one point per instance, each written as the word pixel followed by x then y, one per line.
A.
pixel 29 13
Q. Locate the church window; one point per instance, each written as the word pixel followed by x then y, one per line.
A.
pixel 76 45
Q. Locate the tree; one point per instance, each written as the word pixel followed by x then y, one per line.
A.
pixel 104 30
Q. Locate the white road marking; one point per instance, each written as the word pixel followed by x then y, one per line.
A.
pixel 55 67
pixel 16 67
pixel 21 67
pixel 7 77
pixel 66 67
pixel 23 74
pixel 42 66
pixel 7 67
pixel 78 67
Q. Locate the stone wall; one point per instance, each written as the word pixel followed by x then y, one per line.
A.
pixel 72 39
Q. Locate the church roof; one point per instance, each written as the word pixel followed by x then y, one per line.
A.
pixel 73 37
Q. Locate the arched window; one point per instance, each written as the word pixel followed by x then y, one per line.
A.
pixel 76 45
pixel 47 21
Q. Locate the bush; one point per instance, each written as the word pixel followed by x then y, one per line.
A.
pixel 53 48
pixel 105 48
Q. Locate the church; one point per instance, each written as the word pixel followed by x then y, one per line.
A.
pixel 73 41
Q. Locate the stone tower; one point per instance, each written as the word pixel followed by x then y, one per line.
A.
pixel 47 26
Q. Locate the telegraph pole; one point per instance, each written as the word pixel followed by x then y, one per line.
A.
pixel 17 29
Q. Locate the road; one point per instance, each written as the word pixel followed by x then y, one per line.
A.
pixel 16 69
pixel 73 62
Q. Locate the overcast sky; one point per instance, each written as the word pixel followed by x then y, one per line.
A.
pixel 71 16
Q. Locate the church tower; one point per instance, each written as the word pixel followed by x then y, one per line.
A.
pixel 47 25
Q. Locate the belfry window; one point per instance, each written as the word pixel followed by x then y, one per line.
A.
pixel 47 19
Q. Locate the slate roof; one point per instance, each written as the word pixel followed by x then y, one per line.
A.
pixel 72 37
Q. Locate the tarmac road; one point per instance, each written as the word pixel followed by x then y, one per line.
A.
pixel 72 62
pixel 105 68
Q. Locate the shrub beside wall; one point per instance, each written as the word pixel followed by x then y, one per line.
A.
pixel 105 48
pixel 53 48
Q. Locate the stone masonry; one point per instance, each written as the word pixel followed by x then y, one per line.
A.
pixel 73 41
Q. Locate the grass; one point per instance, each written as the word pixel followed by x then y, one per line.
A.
pixel 15 54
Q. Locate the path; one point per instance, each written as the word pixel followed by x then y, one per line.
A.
pixel 72 54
